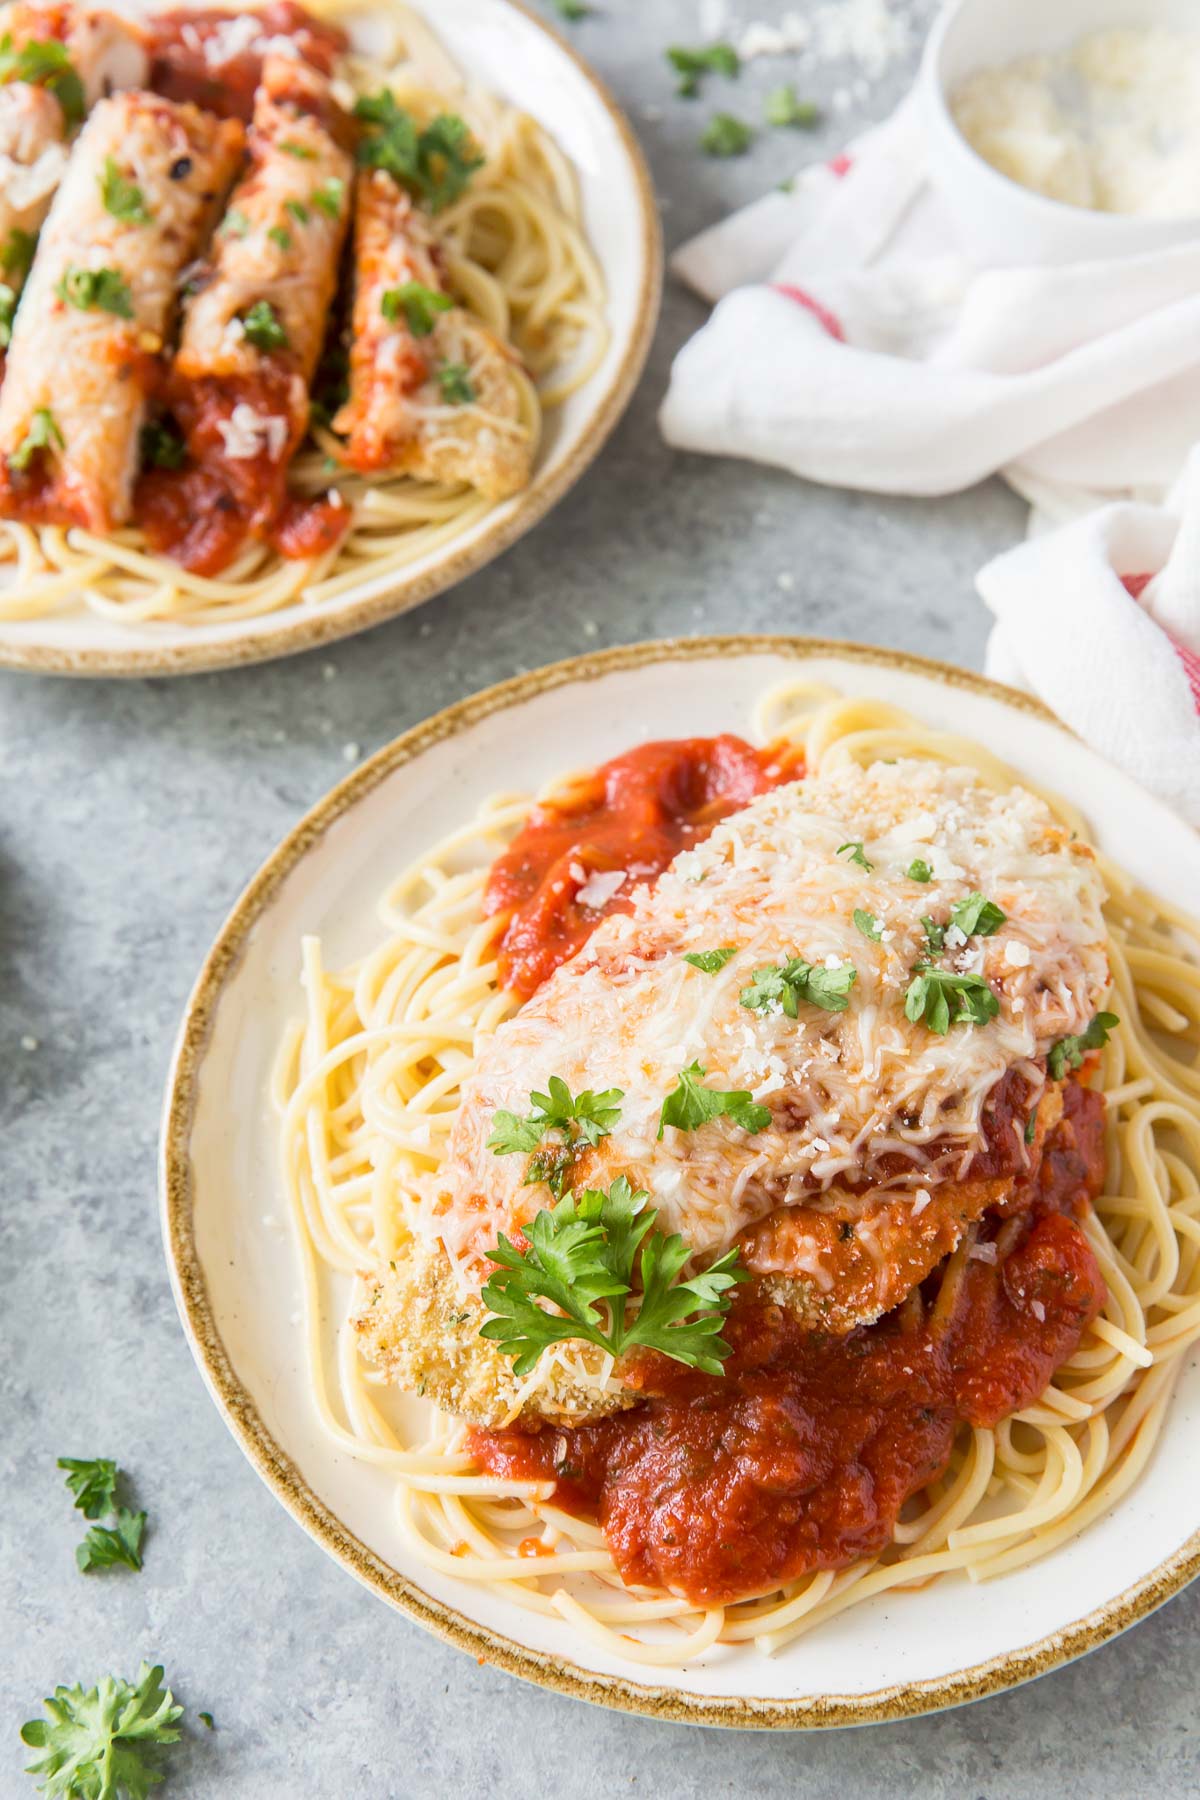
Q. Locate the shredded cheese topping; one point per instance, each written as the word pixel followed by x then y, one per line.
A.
pixel 852 1094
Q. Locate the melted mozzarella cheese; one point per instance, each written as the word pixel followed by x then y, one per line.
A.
pixel 865 1095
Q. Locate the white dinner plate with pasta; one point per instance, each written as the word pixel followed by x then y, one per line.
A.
pixel 305 314
pixel 683 1175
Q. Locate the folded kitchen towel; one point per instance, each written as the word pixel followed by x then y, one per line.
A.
pixel 1101 620
pixel 853 342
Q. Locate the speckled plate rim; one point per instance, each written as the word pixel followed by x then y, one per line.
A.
pixel 543 493
pixel 885 1704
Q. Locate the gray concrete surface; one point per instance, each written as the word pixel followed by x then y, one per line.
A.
pixel 130 815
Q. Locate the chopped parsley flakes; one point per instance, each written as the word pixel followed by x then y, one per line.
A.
pixel 435 164
pixel 43 434
pixel 941 999
pixel 96 290
pixel 122 198
pixel 784 985
pixel 690 1105
pixel 419 305
pixel 1069 1052
pixel 856 855
pixel 711 962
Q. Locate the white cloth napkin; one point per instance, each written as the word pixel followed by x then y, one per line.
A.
pixel 852 342
pixel 1117 657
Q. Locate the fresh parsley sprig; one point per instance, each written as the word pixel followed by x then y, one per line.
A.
pixel 942 999
pixel 94 1484
pixel 94 1744
pixel 690 1105
pixel 868 924
pixel 1069 1052
pixel 919 870
pixel 8 307
pixel 570 1122
pixel 107 1546
pixel 583 1256
pixel 784 985
pixel 692 65
pixel 96 290
pixel 435 164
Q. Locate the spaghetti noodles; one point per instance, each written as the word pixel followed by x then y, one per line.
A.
pixel 368 1084
pixel 516 259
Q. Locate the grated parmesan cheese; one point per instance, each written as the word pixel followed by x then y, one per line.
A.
pixel 1111 123
pixel 599 888
pixel 248 433
pixel 861 1096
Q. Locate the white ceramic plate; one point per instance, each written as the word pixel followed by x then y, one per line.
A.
pixel 236 1273
pixel 512 53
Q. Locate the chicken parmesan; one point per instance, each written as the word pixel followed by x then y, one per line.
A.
pixel 227 409
pixel 777 1090
pixel 746 1156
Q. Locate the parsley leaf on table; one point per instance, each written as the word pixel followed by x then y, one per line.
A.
pixel 692 65
pixel 94 1484
pixel 582 1257
pixel 107 1545
pixel 726 135
pixel 93 1481
pixel 95 1741
pixel 784 107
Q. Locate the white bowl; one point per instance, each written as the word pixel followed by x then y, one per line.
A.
pixel 1000 221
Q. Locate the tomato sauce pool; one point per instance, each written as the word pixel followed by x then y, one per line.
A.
pixel 803 1453
pixel 213 57
pixel 633 814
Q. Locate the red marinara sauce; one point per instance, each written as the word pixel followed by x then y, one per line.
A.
pixel 634 813
pixel 202 514
pixel 802 1454
pixel 212 57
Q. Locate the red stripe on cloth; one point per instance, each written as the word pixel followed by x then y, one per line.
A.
pixel 819 312
pixel 840 165
pixel 1135 586
pixel 1191 668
